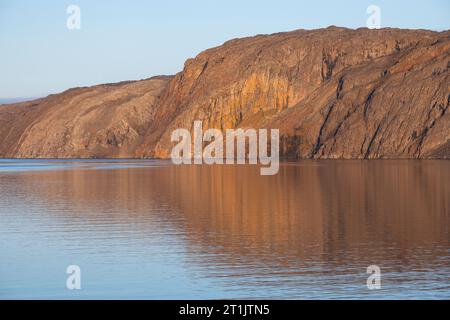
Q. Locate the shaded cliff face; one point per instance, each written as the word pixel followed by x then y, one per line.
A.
pixel 333 93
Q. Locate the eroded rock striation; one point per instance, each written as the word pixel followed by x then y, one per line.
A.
pixel 333 93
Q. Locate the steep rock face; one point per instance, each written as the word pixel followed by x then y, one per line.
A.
pixel 100 121
pixel 393 107
pixel 333 93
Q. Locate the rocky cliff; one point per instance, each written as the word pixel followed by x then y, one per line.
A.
pixel 333 93
pixel 95 122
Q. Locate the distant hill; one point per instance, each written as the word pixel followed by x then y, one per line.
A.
pixel 16 100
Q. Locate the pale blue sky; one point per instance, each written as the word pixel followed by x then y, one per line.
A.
pixel 124 40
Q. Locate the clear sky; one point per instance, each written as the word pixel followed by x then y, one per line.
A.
pixel 131 39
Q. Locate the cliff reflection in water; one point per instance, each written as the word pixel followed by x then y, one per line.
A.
pixel 310 231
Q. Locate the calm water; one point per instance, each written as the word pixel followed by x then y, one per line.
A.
pixel 148 229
